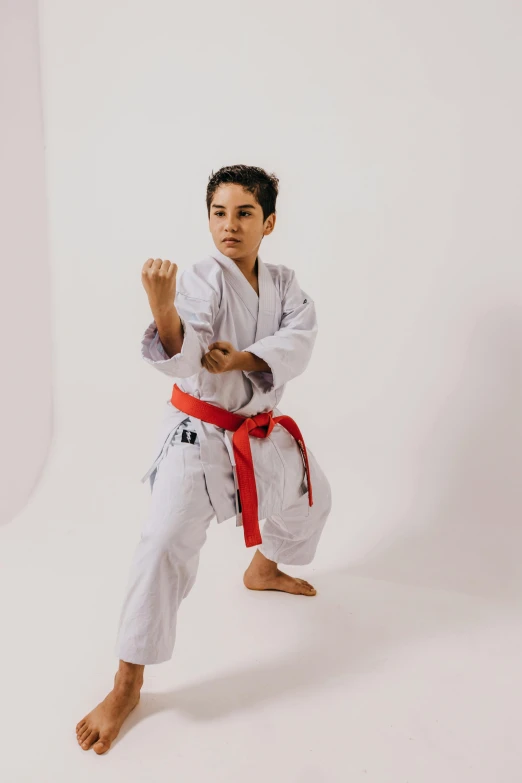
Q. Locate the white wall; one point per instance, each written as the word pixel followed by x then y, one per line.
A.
pixel 25 303
pixel 395 130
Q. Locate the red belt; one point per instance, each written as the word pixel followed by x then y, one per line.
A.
pixel 259 426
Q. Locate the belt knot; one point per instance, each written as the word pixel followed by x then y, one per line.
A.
pixel 261 425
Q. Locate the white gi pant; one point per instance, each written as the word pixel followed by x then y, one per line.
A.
pixel 165 562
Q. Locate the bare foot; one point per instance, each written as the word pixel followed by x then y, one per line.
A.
pixel 101 726
pixel 263 574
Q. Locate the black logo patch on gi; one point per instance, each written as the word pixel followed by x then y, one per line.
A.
pixel 188 437
pixel 305 301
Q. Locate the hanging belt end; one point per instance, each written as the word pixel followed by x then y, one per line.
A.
pixel 253 540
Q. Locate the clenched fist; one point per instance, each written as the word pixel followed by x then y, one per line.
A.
pixel 159 281
pixel 221 357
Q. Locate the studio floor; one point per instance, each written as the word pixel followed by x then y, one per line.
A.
pixel 375 679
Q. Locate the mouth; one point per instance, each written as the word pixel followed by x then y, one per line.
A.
pixel 231 241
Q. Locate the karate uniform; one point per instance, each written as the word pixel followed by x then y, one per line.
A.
pixel 193 475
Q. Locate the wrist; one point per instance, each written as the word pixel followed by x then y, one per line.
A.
pixel 249 362
pixel 241 360
pixel 163 310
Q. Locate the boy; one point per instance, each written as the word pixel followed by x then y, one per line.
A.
pixel 232 331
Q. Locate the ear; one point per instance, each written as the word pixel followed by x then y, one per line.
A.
pixel 270 224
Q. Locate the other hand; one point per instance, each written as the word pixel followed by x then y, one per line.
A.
pixel 159 281
pixel 221 357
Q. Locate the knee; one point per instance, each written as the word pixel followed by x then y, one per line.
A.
pixel 322 493
pixel 328 501
pixel 177 542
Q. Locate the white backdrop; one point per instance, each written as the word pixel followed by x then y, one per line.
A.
pixel 395 131
pixel 26 415
pixel 396 140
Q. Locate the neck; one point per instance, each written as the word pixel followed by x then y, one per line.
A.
pixel 247 265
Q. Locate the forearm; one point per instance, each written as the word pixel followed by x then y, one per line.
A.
pixel 249 362
pixel 170 329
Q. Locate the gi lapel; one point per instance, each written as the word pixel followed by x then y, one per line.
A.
pixel 269 314
pixel 238 282
pixel 265 308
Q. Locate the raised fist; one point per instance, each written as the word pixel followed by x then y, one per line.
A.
pixel 159 281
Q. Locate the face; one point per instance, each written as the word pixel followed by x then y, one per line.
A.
pixel 236 214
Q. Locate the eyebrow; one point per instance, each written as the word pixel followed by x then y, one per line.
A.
pixel 243 206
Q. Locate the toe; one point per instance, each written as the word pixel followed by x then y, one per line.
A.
pixel 80 725
pixel 83 733
pixel 102 746
pixel 84 740
pixel 90 739
pixel 308 588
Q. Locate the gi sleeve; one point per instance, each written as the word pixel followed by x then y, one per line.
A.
pixel 288 351
pixel 197 317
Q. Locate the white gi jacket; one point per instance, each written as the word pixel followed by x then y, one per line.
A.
pixel 216 302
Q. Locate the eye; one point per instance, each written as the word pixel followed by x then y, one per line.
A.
pixel 243 212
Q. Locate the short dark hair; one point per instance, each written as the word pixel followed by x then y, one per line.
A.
pixel 263 186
